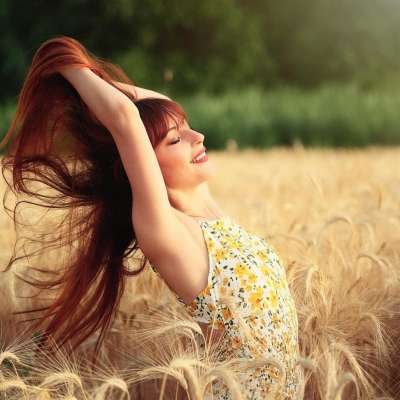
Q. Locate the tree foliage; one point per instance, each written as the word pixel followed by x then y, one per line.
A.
pixel 212 45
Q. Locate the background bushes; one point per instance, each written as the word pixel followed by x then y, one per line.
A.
pixel 325 72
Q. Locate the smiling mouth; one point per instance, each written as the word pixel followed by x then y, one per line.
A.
pixel 199 157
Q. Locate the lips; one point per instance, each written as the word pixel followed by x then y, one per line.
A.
pixel 200 156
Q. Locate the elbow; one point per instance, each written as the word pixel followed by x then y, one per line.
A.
pixel 123 115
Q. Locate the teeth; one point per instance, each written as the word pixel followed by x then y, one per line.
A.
pixel 198 158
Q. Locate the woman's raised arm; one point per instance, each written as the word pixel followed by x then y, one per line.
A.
pixel 160 231
pixel 152 212
pixel 141 93
pixel 72 128
pixel 121 117
pixel 108 101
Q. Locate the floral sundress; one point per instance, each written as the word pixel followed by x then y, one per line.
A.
pixel 248 299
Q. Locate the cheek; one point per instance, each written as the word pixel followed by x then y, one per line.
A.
pixel 173 171
pixel 171 159
pixel 172 166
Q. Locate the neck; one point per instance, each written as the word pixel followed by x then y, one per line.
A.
pixel 196 203
pixel 194 198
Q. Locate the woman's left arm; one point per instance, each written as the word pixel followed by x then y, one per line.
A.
pixel 141 93
pixel 121 117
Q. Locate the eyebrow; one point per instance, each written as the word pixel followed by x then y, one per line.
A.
pixel 171 129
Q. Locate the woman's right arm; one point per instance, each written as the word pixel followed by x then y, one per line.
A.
pixel 121 117
pixel 152 212
pixel 141 93
pixel 160 231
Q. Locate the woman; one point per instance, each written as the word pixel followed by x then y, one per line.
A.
pixel 131 173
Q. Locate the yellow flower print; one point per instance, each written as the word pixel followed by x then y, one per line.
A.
pixel 256 297
pixel 282 348
pixel 220 254
pixel 235 342
pixel 210 244
pixel 286 339
pixel 283 283
pixel 218 325
pixel 218 225
pixel 207 290
pixel 233 245
pixel 254 351
pixel 247 271
pixel 274 284
pixel 256 374
pixel 235 236
pixel 245 286
pixel 273 298
pixel 192 307
pixel 276 320
pixel 292 313
pixel 262 255
pixel 240 270
pixel 252 278
pixel 228 239
pixel 265 304
pixel 226 314
pixel 266 391
pixel 264 269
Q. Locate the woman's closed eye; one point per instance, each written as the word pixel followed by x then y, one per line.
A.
pixel 176 140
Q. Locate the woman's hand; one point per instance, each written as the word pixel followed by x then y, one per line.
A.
pixel 110 106
pixel 140 93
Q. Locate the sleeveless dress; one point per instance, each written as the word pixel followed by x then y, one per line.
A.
pixel 248 299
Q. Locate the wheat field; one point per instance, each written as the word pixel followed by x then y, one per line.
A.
pixel 334 218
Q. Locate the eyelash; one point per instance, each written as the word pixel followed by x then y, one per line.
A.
pixel 176 141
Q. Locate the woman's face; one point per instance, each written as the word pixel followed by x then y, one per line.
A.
pixel 182 158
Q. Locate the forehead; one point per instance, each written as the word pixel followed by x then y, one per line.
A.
pixel 176 124
pixel 158 116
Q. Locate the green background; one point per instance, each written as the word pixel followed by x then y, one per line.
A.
pixel 259 72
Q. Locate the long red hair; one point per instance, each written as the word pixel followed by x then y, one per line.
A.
pixel 55 142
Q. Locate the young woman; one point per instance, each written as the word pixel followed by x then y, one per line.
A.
pixel 131 173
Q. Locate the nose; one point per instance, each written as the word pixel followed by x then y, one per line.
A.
pixel 197 137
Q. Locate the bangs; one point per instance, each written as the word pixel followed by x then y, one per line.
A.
pixel 157 116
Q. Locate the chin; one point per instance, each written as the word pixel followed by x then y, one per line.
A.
pixel 209 172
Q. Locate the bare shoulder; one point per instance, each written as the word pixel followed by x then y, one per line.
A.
pixel 179 254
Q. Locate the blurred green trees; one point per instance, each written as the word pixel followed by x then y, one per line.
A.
pixel 183 46
pixel 259 72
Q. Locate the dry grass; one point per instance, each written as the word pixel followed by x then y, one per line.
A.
pixel 334 217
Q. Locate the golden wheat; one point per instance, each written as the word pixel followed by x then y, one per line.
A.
pixel 333 216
